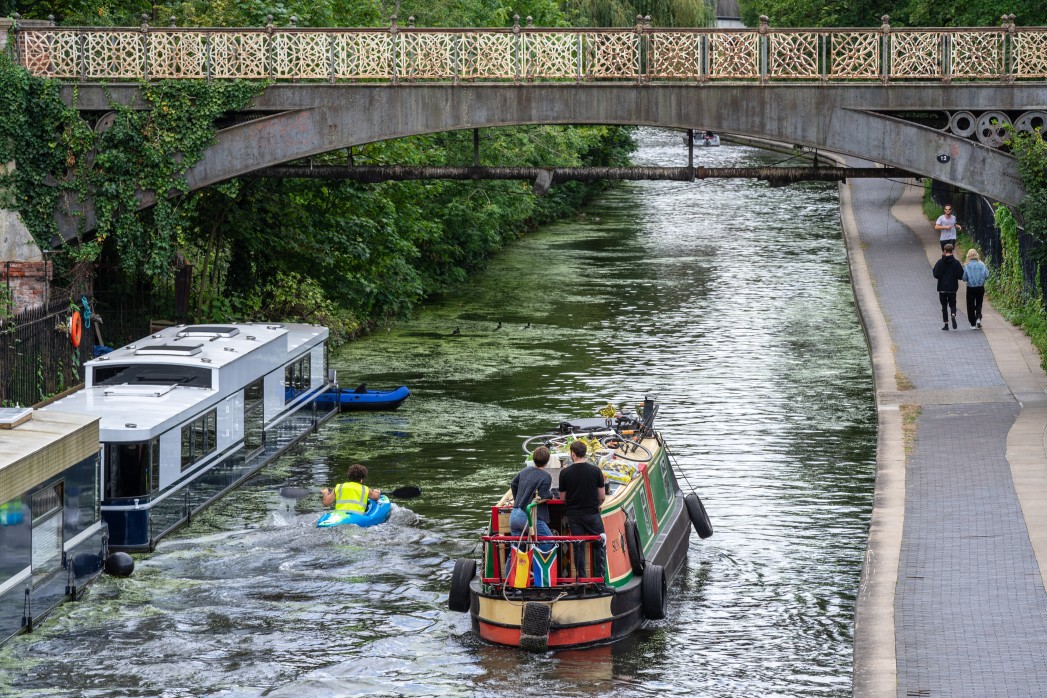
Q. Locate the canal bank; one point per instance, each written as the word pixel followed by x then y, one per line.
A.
pixel 952 599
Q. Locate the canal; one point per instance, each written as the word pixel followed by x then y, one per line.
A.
pixel 727 299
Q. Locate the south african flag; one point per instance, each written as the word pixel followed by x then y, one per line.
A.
pixel 543 566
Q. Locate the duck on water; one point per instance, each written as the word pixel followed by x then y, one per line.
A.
pixel 519 595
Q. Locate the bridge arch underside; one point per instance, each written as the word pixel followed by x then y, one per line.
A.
pixel 309 119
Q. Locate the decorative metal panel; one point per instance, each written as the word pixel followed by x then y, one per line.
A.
pixel 674 55
pixel 300 55
pixel 1030 54
pixel 51 53
pixel 424 55
pixel 550 55
pixel 976 55
pixel 238 55
pixel 114 55
pixel 487 55
pixel 916 54
pixel 734 55
pixel 363 55
pixel 793 56
pixel 612 55
pixel 177 55
pixel 854 55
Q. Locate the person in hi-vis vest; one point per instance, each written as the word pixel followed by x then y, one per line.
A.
pixel 352 495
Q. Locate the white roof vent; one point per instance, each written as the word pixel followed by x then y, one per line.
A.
pixel 213 331
pixel 169 350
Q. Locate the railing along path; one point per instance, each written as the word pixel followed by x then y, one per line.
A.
pixel 525 53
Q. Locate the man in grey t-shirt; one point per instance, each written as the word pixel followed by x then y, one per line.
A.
pixel 947 226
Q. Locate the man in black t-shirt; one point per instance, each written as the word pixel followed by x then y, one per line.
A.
pixel 582 489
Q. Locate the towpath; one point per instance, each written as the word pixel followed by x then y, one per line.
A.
pixel 952 600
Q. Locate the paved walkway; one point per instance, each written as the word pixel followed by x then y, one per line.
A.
pixel 952 600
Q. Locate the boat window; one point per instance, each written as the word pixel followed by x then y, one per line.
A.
pixel 47 545
pixel 297 377
pixel 154 465
pixel 127 468
pixel 199 438
pixel 254 414
pixel 153 374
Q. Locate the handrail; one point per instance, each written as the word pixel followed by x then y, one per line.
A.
pixel 639 54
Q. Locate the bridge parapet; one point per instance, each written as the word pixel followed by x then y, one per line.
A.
pixel 526 53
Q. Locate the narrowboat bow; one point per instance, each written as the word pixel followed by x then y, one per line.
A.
pixel 647 521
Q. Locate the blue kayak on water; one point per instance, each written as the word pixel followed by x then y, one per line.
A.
pixel 377 512
pixel 361 398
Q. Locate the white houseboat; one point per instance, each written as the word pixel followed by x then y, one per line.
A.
pixel 52 539
pixel 192 411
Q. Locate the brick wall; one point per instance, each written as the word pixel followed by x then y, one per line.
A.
pixel 29 283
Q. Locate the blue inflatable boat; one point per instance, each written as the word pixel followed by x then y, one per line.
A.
pixel 361 398
pixel 377 512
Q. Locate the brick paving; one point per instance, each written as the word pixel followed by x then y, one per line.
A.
pixel 970 609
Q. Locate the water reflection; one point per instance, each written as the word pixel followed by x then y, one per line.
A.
pixel 728 299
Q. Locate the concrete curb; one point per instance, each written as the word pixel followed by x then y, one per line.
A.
pixel 875 664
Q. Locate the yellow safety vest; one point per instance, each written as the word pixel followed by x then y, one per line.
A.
pixel 351 496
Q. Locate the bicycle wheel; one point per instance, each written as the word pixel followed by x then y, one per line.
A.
pixel 626 448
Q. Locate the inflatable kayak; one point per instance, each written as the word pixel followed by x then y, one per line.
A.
pixel 377 512
pixel 363 399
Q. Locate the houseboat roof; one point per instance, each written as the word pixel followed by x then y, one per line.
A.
pixel 35 449
pixel 136 409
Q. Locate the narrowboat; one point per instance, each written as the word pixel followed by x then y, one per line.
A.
pixel 647 521
pixel 190 412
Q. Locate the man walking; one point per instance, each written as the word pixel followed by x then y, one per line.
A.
pixel 947 226
pixel 582 488
pixel 948 271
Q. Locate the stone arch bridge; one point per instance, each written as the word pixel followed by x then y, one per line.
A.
pixel 933 102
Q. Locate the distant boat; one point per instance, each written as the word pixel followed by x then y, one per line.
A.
pixel 361 398
pixel 710 139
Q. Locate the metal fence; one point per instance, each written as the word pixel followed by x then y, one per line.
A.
pixel 641 53
pixel 975 214
pixel 37 358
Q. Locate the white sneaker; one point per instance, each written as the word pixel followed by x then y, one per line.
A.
pixel 979 324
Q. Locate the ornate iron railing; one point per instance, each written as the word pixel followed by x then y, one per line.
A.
pixel 526 53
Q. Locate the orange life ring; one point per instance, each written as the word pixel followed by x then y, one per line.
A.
pixel 76 327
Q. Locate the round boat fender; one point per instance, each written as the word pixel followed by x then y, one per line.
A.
pixel 696 511
pixel 464 571
pixel 119 564
pixel 634 547
pixel 653 593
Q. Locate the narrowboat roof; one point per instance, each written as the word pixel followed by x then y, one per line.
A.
pixel 136 411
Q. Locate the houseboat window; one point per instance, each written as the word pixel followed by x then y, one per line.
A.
pixel 127 468
pixel 153 374
pixel 154 465
pixel 297 376
pixel 254 415
pixel 46 506
pixel 199 438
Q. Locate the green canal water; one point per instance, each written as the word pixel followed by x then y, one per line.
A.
pixel 727 299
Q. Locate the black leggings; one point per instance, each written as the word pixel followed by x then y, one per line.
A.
pixel 947 300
